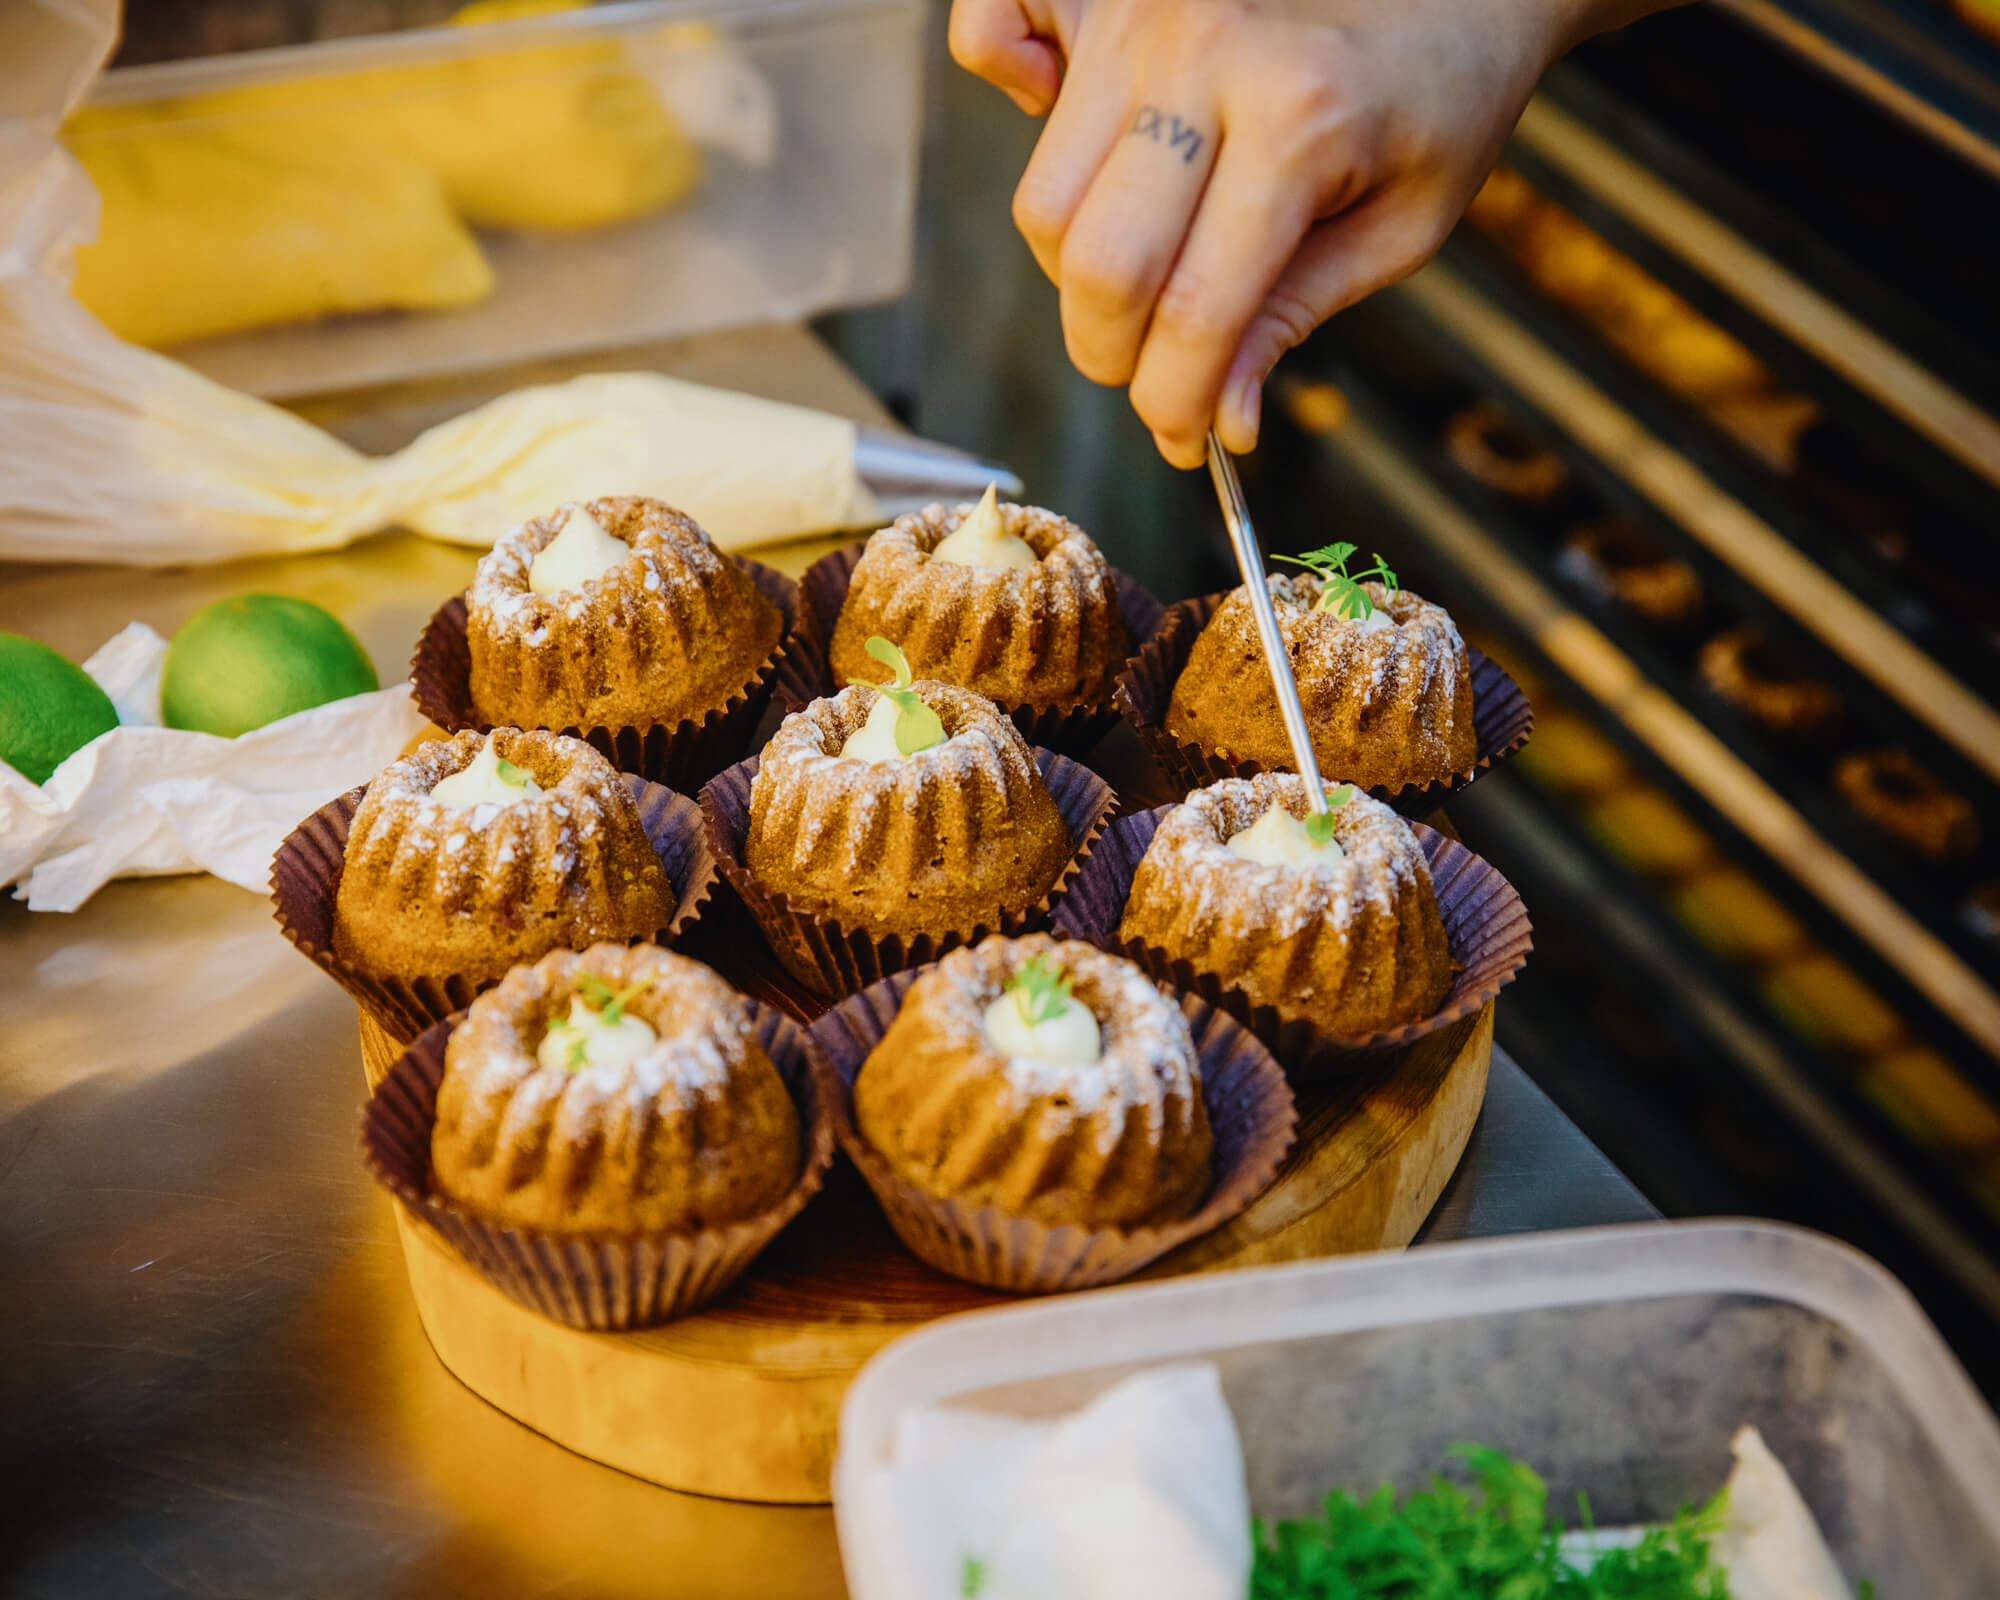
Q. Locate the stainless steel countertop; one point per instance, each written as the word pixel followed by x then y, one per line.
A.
pixel 211 1371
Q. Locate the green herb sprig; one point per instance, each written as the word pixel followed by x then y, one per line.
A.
pixel 971 1577
pixel 1339 590
pixel 917 726
pixel 1041 989
pixel 1445 1543
pixel 509 773
pixel 1319 826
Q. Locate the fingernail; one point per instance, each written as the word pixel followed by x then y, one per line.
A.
pixel 1247 400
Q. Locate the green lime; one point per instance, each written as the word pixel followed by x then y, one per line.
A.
pixel 49 707
pixel 246 661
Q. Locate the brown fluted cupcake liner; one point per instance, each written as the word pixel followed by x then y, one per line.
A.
pixel 305 877
pixel 1250 1111
pixel 1070 729
pixel 1501 716
pixel 1486 928
pixel 602 1282
pixel 833 959
pixel 683 755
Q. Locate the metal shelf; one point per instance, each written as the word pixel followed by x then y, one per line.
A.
pixel 1914 61
pixel 1950 1003
pixel 1907 1178
pixel 1619 423
pixel 1889 370
pixel 1932 894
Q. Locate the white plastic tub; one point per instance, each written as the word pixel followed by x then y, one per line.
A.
pixel 1617 1360
pixel 804 118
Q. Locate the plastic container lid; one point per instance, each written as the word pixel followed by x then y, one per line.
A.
pixel 1617 1360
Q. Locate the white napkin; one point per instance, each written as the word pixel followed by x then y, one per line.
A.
pixel 143 800
pixel 1139 1493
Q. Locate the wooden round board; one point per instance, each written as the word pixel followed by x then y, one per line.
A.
pixel 742 1400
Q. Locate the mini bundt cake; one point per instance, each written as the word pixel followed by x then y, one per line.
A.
pixel 1892 790
pixel 1745 669
pixel 475 853
pixel 1049 1080
pixel 1620 561
pixel 619 613
pixel 617 1091
pixel 958 835
pixel 1012 602
pixel 1388 698
pixel 1345 934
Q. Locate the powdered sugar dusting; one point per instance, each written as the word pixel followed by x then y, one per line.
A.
pixel 1382 860
pixel 703 1033
pixel 1147 1060
pixel 1389 705
pixel 837 801
pixel 1044 634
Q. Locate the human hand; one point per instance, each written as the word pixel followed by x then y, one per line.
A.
pixel 1218 177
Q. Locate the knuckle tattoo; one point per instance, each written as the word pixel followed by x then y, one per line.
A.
pixel 1162 127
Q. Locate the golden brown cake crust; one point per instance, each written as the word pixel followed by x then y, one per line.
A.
pixel 1353 948
pixel 1047 635
pixel 950 839
pixel 698 1132
pixel 432 890
pixel 1122 1144
pixel 672 634
pixel 1388 706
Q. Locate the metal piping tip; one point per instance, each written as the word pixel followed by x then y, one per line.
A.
pixel 905 472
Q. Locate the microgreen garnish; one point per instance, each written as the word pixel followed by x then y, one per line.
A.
pixel 509 773
pixel 971 1577
pixel 1339 590
pixel 1446 1540
pixel 578 1055
pixel 917 726
pixel 1040 989
pixel 603 999
pixel 1319 826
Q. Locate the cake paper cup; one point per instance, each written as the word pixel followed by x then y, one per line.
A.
pixel 806 674
pixel 1486 928
pixel 305 877
pixel 605 1282
pixel 1250 1110
pixel 683 755
pixel 832 959
pixel 1501 716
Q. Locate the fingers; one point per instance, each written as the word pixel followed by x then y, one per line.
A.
pixel 1345 259
pixel 998 41
pixel 1246 231
pixel 1088 120
pixel 1122 243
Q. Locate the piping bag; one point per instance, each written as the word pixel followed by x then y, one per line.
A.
pixel 115 453
pixel 1250 562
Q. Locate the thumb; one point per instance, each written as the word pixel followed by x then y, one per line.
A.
pixel 1341 260
pixel 1012 46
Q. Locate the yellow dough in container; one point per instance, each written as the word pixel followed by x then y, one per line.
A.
pixel 547 136
pixel 205 231
pixel 285 201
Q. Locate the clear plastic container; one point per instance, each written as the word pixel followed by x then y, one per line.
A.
pixel 1617 1360
pixel 507 189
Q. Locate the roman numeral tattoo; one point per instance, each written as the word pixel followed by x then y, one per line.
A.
pixel 1153 123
